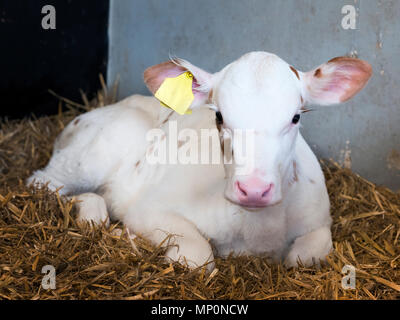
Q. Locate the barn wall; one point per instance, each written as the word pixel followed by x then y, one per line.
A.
pixel 305 33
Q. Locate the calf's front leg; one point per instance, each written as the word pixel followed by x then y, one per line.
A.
pixel 310 248
pixel 186 245
pixel 91 208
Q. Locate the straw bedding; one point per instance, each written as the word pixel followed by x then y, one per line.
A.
pixel 37 228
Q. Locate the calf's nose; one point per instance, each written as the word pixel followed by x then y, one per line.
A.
pixel 254 192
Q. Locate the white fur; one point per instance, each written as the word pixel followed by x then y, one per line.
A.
pixel 105 152
pixel 92 208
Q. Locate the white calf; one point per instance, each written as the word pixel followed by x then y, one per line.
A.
pixel 279 209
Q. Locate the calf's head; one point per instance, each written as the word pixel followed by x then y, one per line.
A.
pixel 262 93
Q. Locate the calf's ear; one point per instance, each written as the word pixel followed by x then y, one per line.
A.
pixel 202 81
pixel 336 81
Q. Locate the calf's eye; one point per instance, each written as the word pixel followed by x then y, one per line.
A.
pixel 296 119
pixel 219 118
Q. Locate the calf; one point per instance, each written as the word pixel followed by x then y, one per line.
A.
pixel 278 208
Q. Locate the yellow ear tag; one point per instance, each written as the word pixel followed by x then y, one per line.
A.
pixel 176 93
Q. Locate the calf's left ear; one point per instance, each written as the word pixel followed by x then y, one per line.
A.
pixel 336 81
pixel 202 80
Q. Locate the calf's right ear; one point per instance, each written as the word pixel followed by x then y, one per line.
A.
pixel 202 81
pixel 336 81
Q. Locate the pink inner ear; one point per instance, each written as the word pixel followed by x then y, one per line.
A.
pixel 338 80
pixel 352 78
pixel 155 76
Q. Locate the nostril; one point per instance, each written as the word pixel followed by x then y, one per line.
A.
pixel 265 193
pixel 242 191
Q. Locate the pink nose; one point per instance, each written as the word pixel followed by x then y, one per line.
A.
pixel 254 192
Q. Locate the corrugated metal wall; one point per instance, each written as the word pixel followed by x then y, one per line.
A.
pixel 213 33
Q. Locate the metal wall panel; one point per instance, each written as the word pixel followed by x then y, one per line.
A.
pixel 213 33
